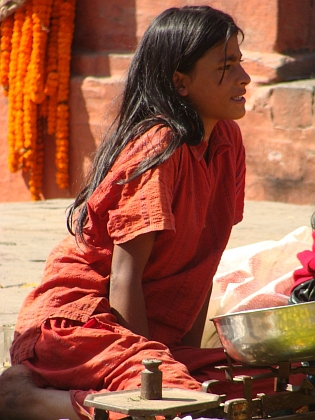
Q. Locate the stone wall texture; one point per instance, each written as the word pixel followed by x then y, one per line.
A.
pixel 278 129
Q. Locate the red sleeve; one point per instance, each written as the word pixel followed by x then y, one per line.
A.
pixel 143 204
pixel 240 172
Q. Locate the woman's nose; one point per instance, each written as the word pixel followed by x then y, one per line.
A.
pixel 245 77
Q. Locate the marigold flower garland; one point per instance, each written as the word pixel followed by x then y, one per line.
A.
pixel 35 73
pixel 66 28
pixel 6 45
pixel 15 44
pixel 22 64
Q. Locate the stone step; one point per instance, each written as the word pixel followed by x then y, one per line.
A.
pixel 105 25
pixel 272 68
pixel 269 25
pixel 100 64
pixel 269 67
pixel 278 131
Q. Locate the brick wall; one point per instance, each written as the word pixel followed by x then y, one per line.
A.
pixel 278 130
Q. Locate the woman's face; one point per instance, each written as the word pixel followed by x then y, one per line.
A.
pixel 211 96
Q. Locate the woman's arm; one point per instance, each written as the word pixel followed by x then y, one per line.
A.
pixel 194 336
pixel 125 294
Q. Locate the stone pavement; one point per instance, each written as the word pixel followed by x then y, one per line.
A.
pixel 29 230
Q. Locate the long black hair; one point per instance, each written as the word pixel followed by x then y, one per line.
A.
pixel 174 41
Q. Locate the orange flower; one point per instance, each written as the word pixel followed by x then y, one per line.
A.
pixel 22 64
pixel 52 50
pixel 13 157
pixel 6 45
pixel 41 22
pixel 35 73
pixel 36 175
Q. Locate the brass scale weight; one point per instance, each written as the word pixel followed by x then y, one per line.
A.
pixel 152 400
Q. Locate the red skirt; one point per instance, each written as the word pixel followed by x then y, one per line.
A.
pixel 102 356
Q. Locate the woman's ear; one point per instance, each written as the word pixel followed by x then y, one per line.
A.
pixel 181 83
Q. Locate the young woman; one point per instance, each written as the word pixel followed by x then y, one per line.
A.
pixel 165 188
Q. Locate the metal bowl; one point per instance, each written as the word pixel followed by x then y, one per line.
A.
pixel 268 336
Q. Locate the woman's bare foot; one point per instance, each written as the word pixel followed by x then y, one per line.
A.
pixel 16 391
pixel 21 399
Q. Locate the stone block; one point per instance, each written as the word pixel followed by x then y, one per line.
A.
pixel 241 11
pixel 262 189
pixel 94 101
pixel 292 105
pixel 269 68
pixel 273 25
pixel 295 26
pixel 270 25
pixel 282 160
pixel 257 18
pixel 105 25
pixel 279 133
pixel 100 64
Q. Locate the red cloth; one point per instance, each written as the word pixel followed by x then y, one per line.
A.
pixel 307 272
pixel 192 207
pixel 101 356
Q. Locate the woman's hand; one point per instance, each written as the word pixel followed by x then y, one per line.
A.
pixel 126 294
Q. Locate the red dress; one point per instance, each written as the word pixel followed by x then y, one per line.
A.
pixel 65 331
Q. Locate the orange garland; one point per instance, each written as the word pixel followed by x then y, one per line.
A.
pixel 36 68
pixel 13 65
pixel 23 60
pixel 35 73
pixel 66 28
pixel 6 46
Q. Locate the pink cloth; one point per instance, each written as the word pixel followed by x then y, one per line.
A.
pixel 254 277
pixel 307 271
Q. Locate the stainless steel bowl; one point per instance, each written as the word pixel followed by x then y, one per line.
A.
pixel 268 336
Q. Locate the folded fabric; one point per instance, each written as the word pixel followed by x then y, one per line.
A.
pixel 307 259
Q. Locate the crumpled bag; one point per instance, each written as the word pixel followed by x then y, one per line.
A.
pixel 304 292
pixel 8 7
